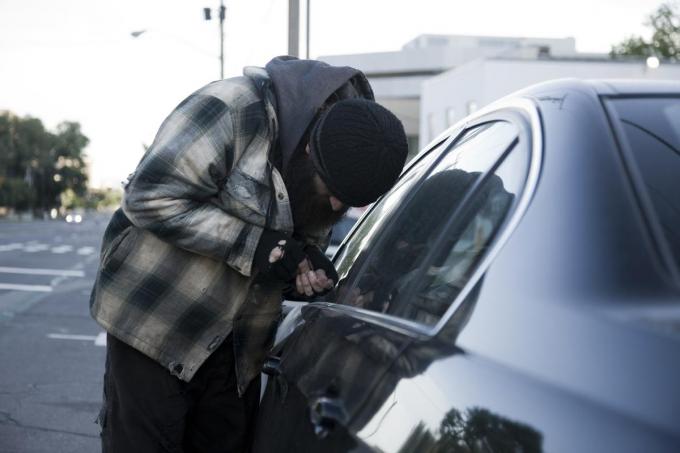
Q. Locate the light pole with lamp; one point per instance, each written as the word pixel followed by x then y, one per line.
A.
pixel 138 33
pixel 222 14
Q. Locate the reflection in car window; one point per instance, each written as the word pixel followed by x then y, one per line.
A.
pixel 652 127
pixel 382 212
pixel 473 228
pixel 380 215
pixel 408 249
pixel 386 205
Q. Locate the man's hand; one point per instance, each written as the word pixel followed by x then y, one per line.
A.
pixel 316 275
pixel 312 281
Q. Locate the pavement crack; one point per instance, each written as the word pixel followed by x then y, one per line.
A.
pixel 7 419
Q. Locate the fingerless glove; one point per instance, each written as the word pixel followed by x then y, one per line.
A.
pixel 283 268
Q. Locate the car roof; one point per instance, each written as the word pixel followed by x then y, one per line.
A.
pixel 633 87
pixel 558 88
pixel 604 87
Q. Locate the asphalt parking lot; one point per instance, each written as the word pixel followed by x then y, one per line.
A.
pixel 52 352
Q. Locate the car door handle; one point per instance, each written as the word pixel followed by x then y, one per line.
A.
pixel 325 414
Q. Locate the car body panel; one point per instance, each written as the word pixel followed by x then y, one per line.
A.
pixel 465 399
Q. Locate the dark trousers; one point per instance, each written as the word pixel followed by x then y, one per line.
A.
pixel 148 410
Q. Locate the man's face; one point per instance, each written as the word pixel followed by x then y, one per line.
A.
pixel 312 203
pixel 321 190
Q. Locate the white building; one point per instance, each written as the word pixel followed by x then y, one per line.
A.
pixel 452 95
pixel 435 80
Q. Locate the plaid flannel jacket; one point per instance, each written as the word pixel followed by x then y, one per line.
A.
pixel 175 275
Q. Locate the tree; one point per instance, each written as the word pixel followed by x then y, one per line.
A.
pixel 37 166
pixel 419 441
pixel 665 40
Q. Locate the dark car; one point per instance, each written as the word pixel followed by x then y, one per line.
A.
pixel 516 291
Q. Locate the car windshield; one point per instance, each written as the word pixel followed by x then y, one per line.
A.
pixel 652 128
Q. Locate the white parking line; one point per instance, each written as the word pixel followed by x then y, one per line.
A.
pixel 32 271
pixel 15 287
pixel 63 336
pixel 32 248
pixel 10 247
pixel 62 249
pixel 99 340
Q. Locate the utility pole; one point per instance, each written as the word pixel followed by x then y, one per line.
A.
pixel 223 13
pixel 207 15
pixel 294 28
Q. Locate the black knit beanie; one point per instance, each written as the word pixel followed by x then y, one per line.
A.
pixel 358 148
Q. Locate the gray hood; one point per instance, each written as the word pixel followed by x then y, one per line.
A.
pixel 301 87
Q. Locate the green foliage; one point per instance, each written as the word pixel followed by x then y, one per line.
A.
pixel 420 440
pixel 37 166
pixel 98 199
pixel 665 40
pixel 477 430
pixel 633 46
pixel 16 193
pixel 104 199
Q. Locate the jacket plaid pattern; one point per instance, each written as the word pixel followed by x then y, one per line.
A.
pixel 175 274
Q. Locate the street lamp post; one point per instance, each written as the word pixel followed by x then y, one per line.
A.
pixel 138 33
pixel 222 12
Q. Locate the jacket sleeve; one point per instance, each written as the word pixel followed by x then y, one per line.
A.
pixel 174 188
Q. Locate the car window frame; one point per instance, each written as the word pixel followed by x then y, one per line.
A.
pixel 523 112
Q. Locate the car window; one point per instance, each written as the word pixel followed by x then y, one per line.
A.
pixel 382 212
pixel 430 290
pixel 385 207
pixel 652 128
pixel 442 226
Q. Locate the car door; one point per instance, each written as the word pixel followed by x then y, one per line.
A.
pixel 408 278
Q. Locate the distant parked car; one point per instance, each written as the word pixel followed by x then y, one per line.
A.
pixel 73 216
pixel 516 291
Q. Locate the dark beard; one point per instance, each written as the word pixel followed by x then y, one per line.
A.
pixel 311 211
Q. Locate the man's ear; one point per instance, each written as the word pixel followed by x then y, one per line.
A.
pixel 307 150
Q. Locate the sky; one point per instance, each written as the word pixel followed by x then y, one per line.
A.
pixel 75 60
